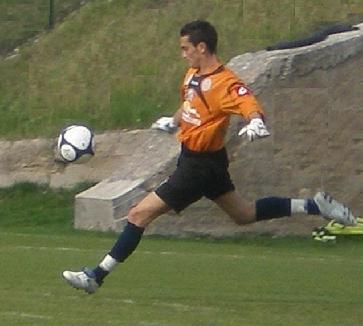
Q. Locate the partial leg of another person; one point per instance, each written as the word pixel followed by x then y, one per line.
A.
pixel 139 218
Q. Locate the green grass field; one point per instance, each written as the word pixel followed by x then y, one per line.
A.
pixel 169 282
pixel 250 281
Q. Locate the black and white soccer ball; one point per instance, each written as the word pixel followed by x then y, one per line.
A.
pixel 76 144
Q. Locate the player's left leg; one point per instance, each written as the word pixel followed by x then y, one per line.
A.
pixel 138 218
pixel 180 190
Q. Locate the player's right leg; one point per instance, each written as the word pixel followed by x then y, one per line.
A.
pixel 334 210
pixel 139 217
pixel 267 208
pixel 237 208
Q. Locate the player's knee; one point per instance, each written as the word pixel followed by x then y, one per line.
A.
pixel 136 216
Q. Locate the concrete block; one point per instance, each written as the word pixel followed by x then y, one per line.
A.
pixel 104 206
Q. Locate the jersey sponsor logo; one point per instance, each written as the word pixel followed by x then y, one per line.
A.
pixel 189 94
pixel 242 90
pixel 206 84
pixel 190 114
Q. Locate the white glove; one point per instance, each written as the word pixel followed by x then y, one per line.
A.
pixel 165 124
pixel 255 129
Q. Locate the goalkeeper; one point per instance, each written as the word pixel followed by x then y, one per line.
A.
pixel 210 94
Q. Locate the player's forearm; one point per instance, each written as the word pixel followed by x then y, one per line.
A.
pixel 177 116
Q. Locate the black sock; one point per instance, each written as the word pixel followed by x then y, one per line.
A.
pixel 272 207
pixel 124 246
pixel 100 274
pixel 312 208
pixel 127 242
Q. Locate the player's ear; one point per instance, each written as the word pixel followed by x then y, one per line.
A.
pixel 202 47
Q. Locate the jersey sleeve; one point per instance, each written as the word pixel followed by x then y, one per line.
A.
pixel 239 99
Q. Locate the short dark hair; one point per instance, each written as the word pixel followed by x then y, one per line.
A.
pixel 201 31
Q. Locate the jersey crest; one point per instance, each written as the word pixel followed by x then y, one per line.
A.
pixel 242 90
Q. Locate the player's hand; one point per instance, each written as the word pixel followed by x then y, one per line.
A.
pixel 165 124
pixel 255 129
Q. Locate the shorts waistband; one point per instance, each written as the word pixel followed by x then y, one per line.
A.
pixel 221 153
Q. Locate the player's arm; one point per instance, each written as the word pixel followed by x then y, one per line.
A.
pixel 177 116
pixel 168 124
pixel 246 104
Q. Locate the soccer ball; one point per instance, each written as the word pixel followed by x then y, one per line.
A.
pixel 76 143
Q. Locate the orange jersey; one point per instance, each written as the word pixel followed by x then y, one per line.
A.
pixel 208 102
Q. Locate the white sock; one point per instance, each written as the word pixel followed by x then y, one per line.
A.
pixel 108 263
pixel 298 206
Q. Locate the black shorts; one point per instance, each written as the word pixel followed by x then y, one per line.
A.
pixel 197 174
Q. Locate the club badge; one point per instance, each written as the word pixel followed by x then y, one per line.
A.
pixel 206 84
pixel 242 90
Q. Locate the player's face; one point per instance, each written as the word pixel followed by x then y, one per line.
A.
pixel 190 52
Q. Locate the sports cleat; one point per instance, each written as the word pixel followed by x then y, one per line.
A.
pixel 84 280
pixel 333 210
